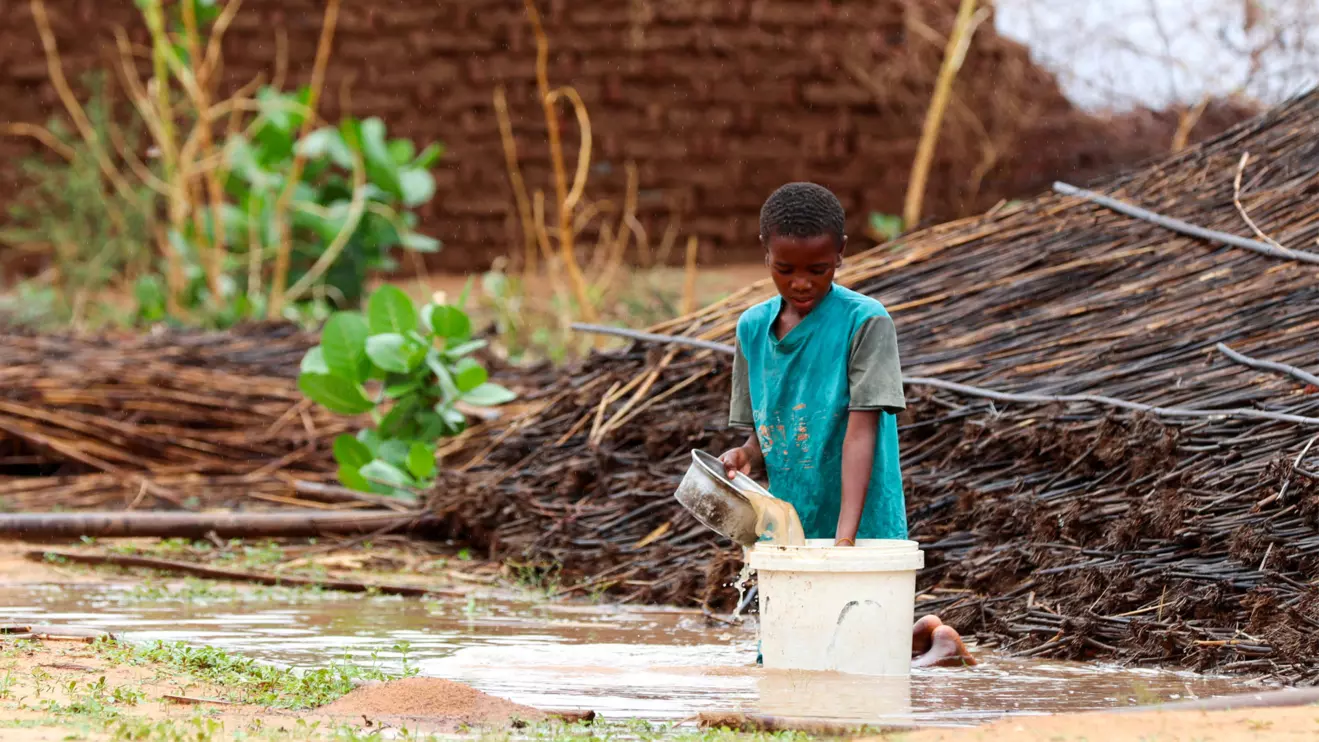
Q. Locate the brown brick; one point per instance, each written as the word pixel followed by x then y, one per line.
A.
pixel 788 13
pixel 763 92
pixel 836 94
pixel 687 11
pixel 613 64
pixel 446 41
pixel 704 118
pixel 589 14
pixel 497 67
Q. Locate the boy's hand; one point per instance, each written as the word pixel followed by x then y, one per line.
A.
pixel 736 460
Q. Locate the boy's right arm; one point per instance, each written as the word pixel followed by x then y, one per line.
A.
pixel 748 456
pixel 745 458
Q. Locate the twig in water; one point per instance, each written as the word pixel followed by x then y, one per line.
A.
pixel 215 573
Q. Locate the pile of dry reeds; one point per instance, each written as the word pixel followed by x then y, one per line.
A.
pixel 1099 468
pixel 157 420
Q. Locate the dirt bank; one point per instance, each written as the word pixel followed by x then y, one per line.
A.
pixel 426 700
pixel 49 690
pixel 1201 726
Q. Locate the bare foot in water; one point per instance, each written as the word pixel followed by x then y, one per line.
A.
pixel 922 634
pixel 946 649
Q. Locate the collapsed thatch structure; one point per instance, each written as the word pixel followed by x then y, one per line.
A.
pixel 1069 529
pixel 172 420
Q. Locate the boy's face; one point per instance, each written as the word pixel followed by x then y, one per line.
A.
pixel 803 268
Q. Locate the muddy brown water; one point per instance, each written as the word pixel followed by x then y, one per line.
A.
pixel 622 662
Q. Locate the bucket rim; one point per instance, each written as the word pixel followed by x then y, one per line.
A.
pixel 819 555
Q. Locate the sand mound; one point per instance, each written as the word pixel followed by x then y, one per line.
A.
pixel 432 699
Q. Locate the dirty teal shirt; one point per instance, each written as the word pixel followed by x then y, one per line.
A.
pixel 797 393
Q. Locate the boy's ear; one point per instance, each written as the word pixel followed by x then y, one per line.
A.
pixel 842 248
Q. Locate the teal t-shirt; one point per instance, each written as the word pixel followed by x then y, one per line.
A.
pixel 797 392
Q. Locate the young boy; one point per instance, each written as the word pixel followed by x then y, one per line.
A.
pixel 817 378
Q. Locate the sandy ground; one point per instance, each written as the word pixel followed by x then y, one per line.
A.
pixel 1301 723
pixel 42 681
pixel 16 570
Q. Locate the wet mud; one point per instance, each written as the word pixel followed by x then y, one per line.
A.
pixel 649 663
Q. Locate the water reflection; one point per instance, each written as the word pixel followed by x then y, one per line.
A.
pixel 620 662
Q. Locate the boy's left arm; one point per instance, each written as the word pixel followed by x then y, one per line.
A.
pixel 875 382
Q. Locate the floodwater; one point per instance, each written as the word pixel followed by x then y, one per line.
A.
pixel 655 664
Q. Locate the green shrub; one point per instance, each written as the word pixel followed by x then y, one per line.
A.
pixel 409 369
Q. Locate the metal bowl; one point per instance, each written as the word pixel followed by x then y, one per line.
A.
pixel 719 504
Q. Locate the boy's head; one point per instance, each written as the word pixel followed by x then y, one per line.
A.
pixel 801 227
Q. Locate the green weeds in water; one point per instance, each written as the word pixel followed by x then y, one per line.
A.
pixel 536 578
pixel 199 591
pixel 250 681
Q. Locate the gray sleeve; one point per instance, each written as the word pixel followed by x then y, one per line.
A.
pixel 874 372
pixel 739 407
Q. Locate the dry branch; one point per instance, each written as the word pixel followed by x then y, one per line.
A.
pixel 1281 368
pixel 215 573
pixel 283 524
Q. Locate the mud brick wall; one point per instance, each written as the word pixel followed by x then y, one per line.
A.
pixel 717 102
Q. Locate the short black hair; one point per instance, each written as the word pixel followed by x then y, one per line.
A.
pixel 802 210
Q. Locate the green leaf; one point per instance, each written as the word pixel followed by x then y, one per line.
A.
pixel 454 419
pixel 314 362
pixel 421 461
pixel 431 426
pixel 402 151
pixel 149 292
pixel 394 452
pixel 401 422
pixel 394 352
pixel 240 160
pixel 468 374
pixel 885 226
pixel 335 393
pixel 326 222
pixel 350 452
pixel 351 477
pixel 385 473
pixel 343 345
pixel 326 142
pixel 429 156
pixel 462 349
pixel 394 391
pixel 418 242
pixel 416 185
pixel 489 394
pixel 380 166
pixel 370 439
pixel 391 311
pixel 443 377
pixel 446 321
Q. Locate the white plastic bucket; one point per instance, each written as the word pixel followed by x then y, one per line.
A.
pixel 843 609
